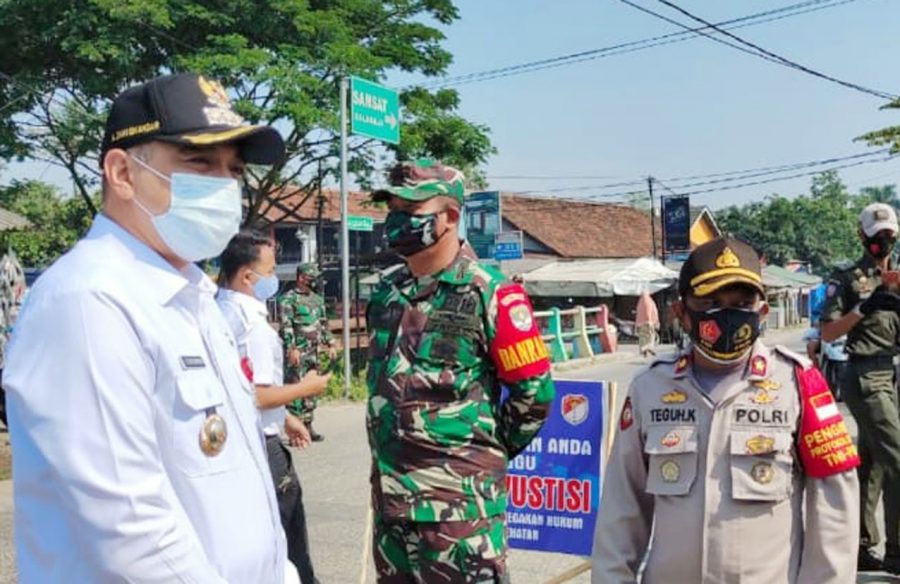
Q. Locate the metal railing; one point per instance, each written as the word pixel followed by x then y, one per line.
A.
pixel 575 333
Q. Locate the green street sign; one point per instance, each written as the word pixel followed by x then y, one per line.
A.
pixel 360 223
pixel 374 111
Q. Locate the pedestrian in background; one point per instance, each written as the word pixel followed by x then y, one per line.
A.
pixel 446 331
pixel 734 454
pixel 646 323
pixel 248 279
pixel 305 332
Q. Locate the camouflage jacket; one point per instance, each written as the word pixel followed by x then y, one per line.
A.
pixel 440 347
pixel 304 324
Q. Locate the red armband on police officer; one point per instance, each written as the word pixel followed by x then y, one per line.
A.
pixel 826 447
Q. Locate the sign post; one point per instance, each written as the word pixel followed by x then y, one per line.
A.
pixel 508 245
pixel 374 113
pixel 360 223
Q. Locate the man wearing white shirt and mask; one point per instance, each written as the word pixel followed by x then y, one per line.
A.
pixel 247 280
pixel 138 454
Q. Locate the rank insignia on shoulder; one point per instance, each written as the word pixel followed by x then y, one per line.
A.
pixel 676 396
pixel 627 417
pixel 759 366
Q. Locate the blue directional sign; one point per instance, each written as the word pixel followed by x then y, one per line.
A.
pixel 508 245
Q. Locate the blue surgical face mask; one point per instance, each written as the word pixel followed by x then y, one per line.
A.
pixel 265 287
pixel 203 216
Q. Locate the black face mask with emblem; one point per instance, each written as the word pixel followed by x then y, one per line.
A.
pixel 724 335
pixel 880 245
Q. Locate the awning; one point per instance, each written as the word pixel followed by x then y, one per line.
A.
pixel 775 277
pixel 10 221
pixel 600 278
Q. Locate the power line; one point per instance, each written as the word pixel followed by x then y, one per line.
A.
pixel 720 177
pixel 690 189
pixel 633 46
pixel 756 49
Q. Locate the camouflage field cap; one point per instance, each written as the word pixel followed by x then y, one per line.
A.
pixel 421 180
pixel 308 269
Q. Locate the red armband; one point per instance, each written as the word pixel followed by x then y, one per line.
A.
pixel 517 351
pixel 247 368
pixel 825 445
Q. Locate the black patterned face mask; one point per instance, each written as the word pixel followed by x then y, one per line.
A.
pixel 880 245
pixel 724 335
pixel 408 234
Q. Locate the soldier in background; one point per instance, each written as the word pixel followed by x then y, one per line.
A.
pixel 445 332
pixel 304 331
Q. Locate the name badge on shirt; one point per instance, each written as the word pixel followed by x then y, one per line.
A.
pixel 192 362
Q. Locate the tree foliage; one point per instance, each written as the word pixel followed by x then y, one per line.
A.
pixel 820 227
pixel 61 63
pixel 889 136
pixel 57 222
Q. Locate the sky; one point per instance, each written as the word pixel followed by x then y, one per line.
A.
pixel 690 108
pixel 684 109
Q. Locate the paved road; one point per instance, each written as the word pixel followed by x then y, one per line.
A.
pixel 335 479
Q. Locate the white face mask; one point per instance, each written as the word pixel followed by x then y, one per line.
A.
pixel 205 213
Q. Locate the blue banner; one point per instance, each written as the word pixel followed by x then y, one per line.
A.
pixel 676 223
pixel 554 485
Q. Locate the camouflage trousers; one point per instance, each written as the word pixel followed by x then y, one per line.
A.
pixel 302 408
pixel 453 552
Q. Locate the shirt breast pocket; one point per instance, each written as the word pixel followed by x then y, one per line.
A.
pixel 450 361
pixel 672 453
pixel 198 396
pixel 761 465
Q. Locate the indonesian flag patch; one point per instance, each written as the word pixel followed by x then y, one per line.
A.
pixel 517 350
pixel 825 445
pixel 247 368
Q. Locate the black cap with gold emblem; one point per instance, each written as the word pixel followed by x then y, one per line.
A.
pixel 186 109
pixel 724 261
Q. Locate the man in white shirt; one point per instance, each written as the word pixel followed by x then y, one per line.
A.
pixel 248 279
pixel 138 454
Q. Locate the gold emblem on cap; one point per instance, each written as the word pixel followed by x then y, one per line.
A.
pixel 728 259
pixel 213 434
pixel 213 91
pixel 670 471
pixel 760 444
pixel 762 472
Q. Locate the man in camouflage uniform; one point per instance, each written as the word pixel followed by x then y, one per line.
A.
pixel 304 330
pixel 446 331
pixel 859 306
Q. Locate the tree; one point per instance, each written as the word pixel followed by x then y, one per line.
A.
pixel 62 62
pixel 884 194
pixel 820 228
pixel 57 222
pixel 889 136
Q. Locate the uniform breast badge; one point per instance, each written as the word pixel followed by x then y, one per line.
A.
pixel 762 472
pixel 670 471
pixel 671 439
pixel 213 433
pixel 760 445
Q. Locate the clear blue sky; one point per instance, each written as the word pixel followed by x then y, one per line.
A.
pixel 690 108
pixel 695 107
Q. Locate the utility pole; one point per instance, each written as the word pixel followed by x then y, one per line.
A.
pixel 320 239
pixel 652 215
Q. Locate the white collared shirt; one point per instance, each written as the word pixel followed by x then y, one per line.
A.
pixel 258 341
pixel 116 361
